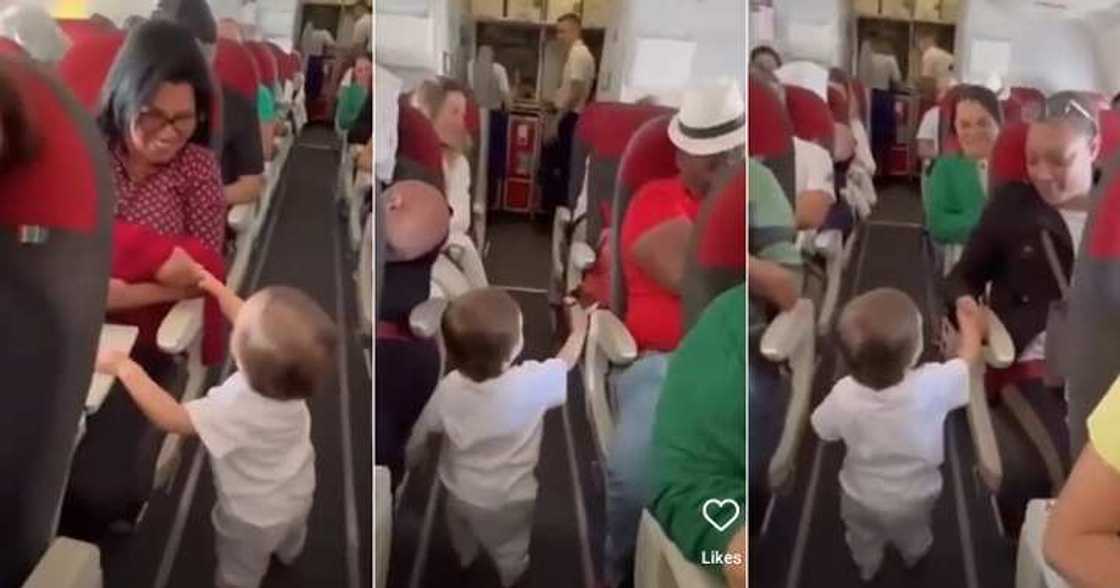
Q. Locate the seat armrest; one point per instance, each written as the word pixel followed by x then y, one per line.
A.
pixel 614 338
pixel 787 331
pixel 240 217
pixel 583 256
pixel 113 338
pixel 1000 350
pixel 560 221
pixel 988 458
pixel 68 563
pixel 426 317
pixel 180 327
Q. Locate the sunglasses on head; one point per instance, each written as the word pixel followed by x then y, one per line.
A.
pixel 1069 109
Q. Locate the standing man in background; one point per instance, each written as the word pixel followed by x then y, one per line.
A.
pixel 937 63
pixel 568 103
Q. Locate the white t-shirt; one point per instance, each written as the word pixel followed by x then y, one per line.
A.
pixel 884 70
pixel 1075 222
pixel 260 450
pixel 813 168
pixel 579 67
pixel 936 63
pixel 863 158
pixel 894 437
pixel 928 128
pixel 457 174
pixel 492 430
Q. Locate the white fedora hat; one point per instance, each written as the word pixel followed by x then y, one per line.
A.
pixel 712 119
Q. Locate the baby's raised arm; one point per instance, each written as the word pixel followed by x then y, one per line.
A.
pixel 227 299
pixel 970 318
pixel 578 321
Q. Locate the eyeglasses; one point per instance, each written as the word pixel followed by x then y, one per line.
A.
pixel 152 122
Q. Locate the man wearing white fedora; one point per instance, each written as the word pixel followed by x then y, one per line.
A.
pixel 709 134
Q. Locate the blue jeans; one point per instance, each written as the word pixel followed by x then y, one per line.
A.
pixel 629 476
pixel 767 401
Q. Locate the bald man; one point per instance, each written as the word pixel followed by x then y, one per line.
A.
pixel 416 222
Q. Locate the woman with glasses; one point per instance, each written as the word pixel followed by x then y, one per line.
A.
pixel 958 181
pixel 170 213
pixel 1023 249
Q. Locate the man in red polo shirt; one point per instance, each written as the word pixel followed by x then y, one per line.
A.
pixel 708 134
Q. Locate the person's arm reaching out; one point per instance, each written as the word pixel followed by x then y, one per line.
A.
pixel 773 282
pixel 229 301
pixel 156 404
pixel 578 321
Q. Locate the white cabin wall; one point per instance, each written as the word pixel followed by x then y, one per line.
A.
pixel 1104 30
pixel 829 17
pixel 716 27
pixel 412 37
pixel 1047 52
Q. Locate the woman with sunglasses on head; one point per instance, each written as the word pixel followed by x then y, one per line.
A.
pixel 1024 249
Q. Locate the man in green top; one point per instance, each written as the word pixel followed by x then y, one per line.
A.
pixel 699 441
pixel 352 97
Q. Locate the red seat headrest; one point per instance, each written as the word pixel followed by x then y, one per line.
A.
pixel 283 72
pixel 79 29
pixel 1110 134
pixel 723 230
pixel 810 115
pixel 86 66
pixel 769 133
pixel 59 189
pixel 606 127
pixel 649 155
pixel 1009 155
pixel 1032 101
pixel 236 68
pixel 417 140
pixel 266 65
pixel 1012 111
pixel 838 105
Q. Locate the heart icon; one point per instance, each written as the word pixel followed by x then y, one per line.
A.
pixel 720 505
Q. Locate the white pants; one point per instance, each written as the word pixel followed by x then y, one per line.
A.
pixel 504 534
pixel 244 549
pixel 869 530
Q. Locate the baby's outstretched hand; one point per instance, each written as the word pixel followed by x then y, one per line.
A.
pixel 207 282
pixel 109 362
pixel 578 315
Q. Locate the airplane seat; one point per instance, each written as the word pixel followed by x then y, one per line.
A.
pixel 659 563
pixel 580 247
pixel 86 65
pixel 1031 99
pixel 1110 136
pixel 770 135
pixel 1012 110
pixel 57 233
pixel 80 29
pixel 648 155
pixel 236 71
pixel 717 251
pixel 1009 158
pixel 12 48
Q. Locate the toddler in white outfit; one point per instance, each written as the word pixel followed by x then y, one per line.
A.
pixel 256 425
pixel 491 413
pixel 890 416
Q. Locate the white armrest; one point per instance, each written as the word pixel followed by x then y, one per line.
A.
pixel 240 217
pixel 792 338
pixel 1000 351
pixel 613 337
pixel 426 317
pixel 180 327
pixel 560 221
pixel 68 563
pixel 583 256
pixel 462 251
pixel 788 330
pixel 383 522
pixel 830 243
pixel 988 460
pixel 1031 569
pixel 113 338
pixel 658 561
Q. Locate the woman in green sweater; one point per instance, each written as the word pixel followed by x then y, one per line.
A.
pixel 958 183
pixel 353 97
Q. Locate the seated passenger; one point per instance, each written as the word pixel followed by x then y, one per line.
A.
pixel 765 58
pixel 154 118
pixel 654 240
pixel 241 157
pixel 1026 232
pixel 491 412
pixel 890 414
pixel 353 97
pixel 416 218
pixel 1082 539
pixel 958 183
pixel 773 280
pixel 32 28
pixel 698 451
pixel 444 102
pixel 813 171
pixel 256 425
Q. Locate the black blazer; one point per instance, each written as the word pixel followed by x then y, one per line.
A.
pixel 1006 250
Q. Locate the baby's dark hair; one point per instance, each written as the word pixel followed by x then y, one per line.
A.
pixel 879 333
pixel 480 330
pixel 289 354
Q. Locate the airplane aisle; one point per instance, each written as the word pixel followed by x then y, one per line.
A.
pixel 804 545
pixel 568 513
pixel 303 247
